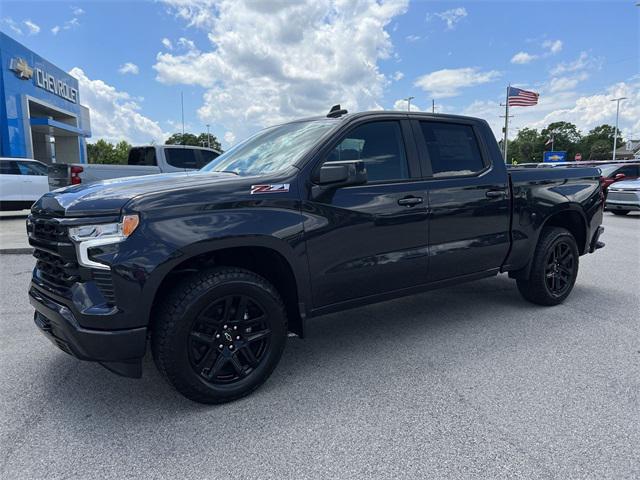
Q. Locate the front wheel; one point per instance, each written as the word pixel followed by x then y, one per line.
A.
pixel 554 269
pixel 219 335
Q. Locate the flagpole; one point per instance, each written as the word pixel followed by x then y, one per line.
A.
pixel 506 126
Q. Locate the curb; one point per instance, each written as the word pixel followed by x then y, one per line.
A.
pixel 16 251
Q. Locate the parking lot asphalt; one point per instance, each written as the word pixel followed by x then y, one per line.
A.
pixel 464 382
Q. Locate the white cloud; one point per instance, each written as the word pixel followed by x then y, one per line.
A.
pixel 558 84
pixel 451 16
pixel 115 114
pixel 186 43
pixel 129 67
pixel 269 62
pixel 554 46
pixel 55 29
pixel 398 76
pixel 167 44
pixel 523 57
pixel 32 28
pixel 12 25
pixel 403 104
pixel 77 11
pixel 412 38
pixel 583 61
pixel 229 138
pixel 449 82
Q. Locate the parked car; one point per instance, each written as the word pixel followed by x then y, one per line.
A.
pixel 617 172
pixel 624 197
pixel 22 182
pixel 302 219
pixel 145 160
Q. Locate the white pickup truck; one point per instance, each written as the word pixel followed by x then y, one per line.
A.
pixel 144 160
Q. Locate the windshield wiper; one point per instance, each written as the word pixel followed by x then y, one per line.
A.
pixel 226 171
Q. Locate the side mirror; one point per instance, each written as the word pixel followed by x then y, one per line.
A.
pixel 339 174
pixel 619 176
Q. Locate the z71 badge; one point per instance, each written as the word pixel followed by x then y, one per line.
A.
pixel 273 188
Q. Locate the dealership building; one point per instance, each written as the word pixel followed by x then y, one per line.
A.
pixel 40 112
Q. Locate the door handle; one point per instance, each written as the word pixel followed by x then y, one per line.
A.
pixel 410 201
pixel 496 193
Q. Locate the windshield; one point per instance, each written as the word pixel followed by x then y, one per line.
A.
pixel 272 149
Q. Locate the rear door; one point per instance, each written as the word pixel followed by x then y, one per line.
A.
pixel 369 239
pixel 469 210
pixel 10 181
pixel 35 181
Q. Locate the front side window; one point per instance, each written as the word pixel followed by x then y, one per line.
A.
pixel 32 168
pixel 380 146
pixel 273 149
pixel 630 171
pixel 453 149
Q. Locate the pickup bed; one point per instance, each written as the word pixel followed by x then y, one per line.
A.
pixel 144 160
pixel 314 216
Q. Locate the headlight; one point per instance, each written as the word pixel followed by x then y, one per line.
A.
pixel 88 236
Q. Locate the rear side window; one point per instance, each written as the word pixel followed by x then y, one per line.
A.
pixel 9 167
pixel 629 171
pixel 182 157
pixel 380 146
pixel 453 149
pixel 142 156
pixel 32 168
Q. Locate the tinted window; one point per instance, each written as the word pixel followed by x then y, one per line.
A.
pixel 206 156
pixel 181 157
pixel 142 156
pixel 629 171
pixel 453 149
pixel 9 167
pixel 380 146
pixel 32 168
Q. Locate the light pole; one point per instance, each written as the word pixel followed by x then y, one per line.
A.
pixel 208 137
pixel 615 134
pixel 408 100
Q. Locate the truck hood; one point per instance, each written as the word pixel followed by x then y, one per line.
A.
pixel 109 196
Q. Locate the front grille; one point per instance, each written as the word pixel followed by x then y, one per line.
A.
pixel 103 280
pixel 56 265
pixel 627 197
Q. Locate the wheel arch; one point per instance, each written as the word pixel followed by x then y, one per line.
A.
pixel 264 257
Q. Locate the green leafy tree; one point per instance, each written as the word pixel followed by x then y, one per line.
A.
pixel 566 137
pixel 527 146
pixel 600 150
pixel 592 144
pixel 105 152
pixel 191 139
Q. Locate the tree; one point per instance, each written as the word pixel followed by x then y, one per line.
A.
pixel 191 139
pixel 527 146
pixel 594 141
pixel 566 137
pixel 105 152
pixel 600 149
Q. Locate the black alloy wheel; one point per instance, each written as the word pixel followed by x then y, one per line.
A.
pixel 554 268
pixel 219 334
pixel 559 269
pixel 229 339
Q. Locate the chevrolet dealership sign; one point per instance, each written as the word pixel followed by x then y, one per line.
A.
pixel 43 80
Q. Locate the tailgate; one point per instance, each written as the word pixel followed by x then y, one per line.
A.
pixel 58 175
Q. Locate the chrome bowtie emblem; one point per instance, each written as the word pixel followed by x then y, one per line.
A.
pixel 21 68
pixel 227 336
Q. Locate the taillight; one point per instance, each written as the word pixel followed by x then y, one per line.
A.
pixel 75 174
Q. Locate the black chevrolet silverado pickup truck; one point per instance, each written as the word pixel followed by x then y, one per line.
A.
pixel 215 268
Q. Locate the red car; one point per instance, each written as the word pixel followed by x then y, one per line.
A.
pixel 616 172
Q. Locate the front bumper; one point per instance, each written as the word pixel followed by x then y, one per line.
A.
pixel 120 351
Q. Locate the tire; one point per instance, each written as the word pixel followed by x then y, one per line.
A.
pixel 620 212
pixel 219 335
pixel 554 269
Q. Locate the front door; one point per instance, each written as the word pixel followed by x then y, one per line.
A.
pixel 368 239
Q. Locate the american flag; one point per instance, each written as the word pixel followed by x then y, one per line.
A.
pixel 517 97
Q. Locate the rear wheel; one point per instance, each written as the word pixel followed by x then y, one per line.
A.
pixel 554 269
pixel 620 212
pixel 220 335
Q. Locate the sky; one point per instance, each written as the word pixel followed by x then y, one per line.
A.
pixel 242 65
